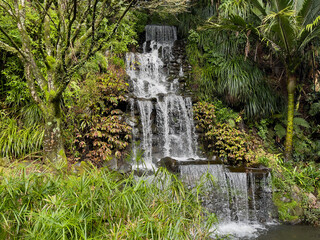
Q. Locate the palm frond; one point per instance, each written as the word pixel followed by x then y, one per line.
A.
pixel 309 12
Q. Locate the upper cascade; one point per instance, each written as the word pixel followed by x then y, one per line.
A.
pixel 161 34
pixel 166 117
pixel 148 70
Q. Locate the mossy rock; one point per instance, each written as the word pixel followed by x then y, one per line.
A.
pixel 289 210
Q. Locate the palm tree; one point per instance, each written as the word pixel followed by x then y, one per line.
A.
pixel 287 27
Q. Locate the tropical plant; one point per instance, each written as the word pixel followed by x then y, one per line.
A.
pixel 287 28
pixel 221 70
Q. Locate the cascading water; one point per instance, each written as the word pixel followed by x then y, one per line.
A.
pixel 241 200
pixel 157 100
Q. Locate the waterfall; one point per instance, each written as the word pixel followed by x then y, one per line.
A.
pixel 165 116
pixel 241 201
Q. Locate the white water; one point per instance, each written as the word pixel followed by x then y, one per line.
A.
pixel 167 129
pixel 241 213
pixel 161 109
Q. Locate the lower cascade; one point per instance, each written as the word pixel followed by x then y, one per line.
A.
pixel 163 127
pixel 242 201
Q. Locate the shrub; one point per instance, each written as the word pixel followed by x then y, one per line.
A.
pixel 97 122
pixel 222 139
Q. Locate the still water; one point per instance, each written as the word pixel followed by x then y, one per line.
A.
pixel 288 232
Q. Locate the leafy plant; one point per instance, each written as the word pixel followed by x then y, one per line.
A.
pixel 15 141
pixel 98 204
pixel 96 122
pixel 220 138
pixel 221 70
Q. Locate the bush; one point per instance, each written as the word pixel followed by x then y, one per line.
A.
pixel 222 138
pixel 97 122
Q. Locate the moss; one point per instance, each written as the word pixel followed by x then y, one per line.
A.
pixel 288 209
pixel 80 168
pixel 51 61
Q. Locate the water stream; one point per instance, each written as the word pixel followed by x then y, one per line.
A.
pixel 166 117
pixel 241 200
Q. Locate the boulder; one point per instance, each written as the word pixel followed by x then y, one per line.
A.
pixel 171 164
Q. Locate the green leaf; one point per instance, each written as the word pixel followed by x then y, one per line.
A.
pixel 280 131
pixel 301 122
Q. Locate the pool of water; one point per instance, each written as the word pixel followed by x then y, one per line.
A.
pixel 240 231
pixel 289 232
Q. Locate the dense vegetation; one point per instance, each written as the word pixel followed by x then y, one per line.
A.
pixel 63 97
pixel 99 205
pixel 249 55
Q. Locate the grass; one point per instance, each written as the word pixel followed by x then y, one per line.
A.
pixel 98 204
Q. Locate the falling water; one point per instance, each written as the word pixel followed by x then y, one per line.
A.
pixel 241 201
pixel 165 116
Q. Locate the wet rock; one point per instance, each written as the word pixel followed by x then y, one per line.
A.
pixel 311 198
pixel 124 168
pixel 171 164
pixel 132 121
pixel 112 164
pixel 295 221
pixel 296 195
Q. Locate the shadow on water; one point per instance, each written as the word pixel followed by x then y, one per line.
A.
pixel 288 232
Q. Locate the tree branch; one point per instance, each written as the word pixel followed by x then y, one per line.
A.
pixel 76 66
pixel 26 44
pixel 8 10
pixel 8 48
pixel 32 87
pixel 83 17
pixel 15 45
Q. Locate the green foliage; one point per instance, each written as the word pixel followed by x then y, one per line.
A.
pixel 223 113
pixel 15 141
pixel 294 183
pixel 100 205
pixel 16 94
pixel 198 12
pixel 305 147
pixel 315 109
pixel 221 138
pixel 263 129
pixel 95 121
pixel 221 70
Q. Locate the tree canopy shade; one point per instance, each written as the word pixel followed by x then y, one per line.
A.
pixel 287 28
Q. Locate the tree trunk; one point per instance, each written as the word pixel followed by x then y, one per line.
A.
pixel 52 140
pixel 291 89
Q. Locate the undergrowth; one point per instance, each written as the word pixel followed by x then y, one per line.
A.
pixel 296 189
pixel 99 205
